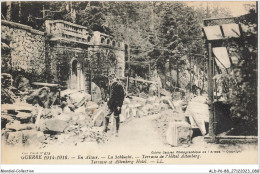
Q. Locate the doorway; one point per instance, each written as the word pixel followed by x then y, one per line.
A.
pixel 76 81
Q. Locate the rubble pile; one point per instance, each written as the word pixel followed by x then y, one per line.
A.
pixel 18 125
pixel 140 107
pixel 43 123
pixel 7 90
pixel 198 113
pixel 167 118
pixel 176 124
pixel 48 116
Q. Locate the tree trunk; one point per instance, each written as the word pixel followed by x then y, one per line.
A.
pixel 20 11
pixel 9 10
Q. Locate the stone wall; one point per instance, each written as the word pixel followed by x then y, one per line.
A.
pixel 61 56
pixel 96 53
pixel 27 47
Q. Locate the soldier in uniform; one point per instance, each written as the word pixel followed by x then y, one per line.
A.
pixel 115 101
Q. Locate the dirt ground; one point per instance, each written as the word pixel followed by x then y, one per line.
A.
pixel 145 132
pixel 143 136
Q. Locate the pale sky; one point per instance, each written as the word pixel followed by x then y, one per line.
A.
pixel 236 8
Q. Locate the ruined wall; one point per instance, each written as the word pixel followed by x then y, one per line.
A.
pixel 27 47
pixel 51 55
pixel 120 67
pixel 61 55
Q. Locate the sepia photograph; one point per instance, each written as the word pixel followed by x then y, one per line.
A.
pixel 129 82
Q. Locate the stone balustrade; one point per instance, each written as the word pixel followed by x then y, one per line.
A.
pixel 59 29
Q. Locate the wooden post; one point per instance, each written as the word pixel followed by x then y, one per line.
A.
pixel 20 11
pixel 177 74
pixel 91 85
pixel 190 75
pixel 210 94
pixel 47 60
pixel 9 11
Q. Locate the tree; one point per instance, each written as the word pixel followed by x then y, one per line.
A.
pixel 242 81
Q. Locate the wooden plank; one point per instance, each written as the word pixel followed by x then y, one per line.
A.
pixel 237 137
pixel 141 80
pixel 45 84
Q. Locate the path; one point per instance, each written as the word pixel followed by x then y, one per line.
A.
pixel 141 133
pixel 138 133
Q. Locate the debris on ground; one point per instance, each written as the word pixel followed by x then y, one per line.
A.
pixel 178 133
pixel 198 113
pixel 96 93
pixel 79 117
pixel 7 90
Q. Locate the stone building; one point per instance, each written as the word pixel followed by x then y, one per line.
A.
pixel 70 54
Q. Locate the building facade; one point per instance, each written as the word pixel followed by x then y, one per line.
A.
pixel 70 54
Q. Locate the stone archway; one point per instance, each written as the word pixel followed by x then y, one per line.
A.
pixel 76 80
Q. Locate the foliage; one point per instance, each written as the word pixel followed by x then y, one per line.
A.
pixel 242 81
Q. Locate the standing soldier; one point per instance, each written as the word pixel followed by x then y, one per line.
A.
pixel 115 101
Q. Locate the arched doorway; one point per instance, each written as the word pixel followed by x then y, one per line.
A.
pixel 76 81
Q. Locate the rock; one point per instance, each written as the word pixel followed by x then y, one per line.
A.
pixel 23 84
pixel 82 117
pixel 23 115
pixel 75 118
pixel 7 107
pixel 152 100
pixel 81 109
pixel 4 134
pixel 127 101
pixel 85 121
pixel 140 113
pixel 14 138
pixel 138 99
pixel 54 125
pixel 178 133
pixel 200 99
pixel 124 113
pixel 165 99
pixel 156 108
pixel 7 95
pixel 164 107
pixel 199 110
pixel 184 105
pixel 45 113
pixel 63 137
pixel 197 122
pixel 78 98
pixel 133 113
pixel 178 105
pixel 163 92
pixel 32 137
pixel 143 95
pixel 91 106
pixel 67 110
pixel 96 93
pixel 6 80
pixel 67 92
pixel 55 111
pixel 99 117
pixel 135 105
pixel 65 117
pixel 5 118
pixel 152 90
pixel 17 126
pixel 173 115
pixel 39 96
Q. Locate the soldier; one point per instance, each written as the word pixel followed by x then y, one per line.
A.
pixel 115 101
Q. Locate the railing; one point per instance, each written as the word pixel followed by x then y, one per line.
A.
pixel 60 29
pixel 65 30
